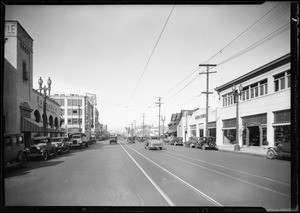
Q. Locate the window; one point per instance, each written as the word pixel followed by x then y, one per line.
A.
pixel 288 79
pixel 80 102
pixel 279 81
pixel 69 102
pixel 69 121
pixel 75 102
pixel 75 121
pixel 70 112
pixel 25 72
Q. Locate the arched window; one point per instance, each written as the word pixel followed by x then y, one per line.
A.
pixel 37 116
pixel 51 121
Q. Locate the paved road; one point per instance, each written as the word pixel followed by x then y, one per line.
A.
pixel 128 175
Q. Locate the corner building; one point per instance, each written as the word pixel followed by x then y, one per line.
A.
pixel 264 106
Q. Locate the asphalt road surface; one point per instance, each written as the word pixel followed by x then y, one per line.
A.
pixel 125 174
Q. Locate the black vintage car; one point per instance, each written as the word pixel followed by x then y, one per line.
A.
pixel 61 144
pixel 131 139
pixel 113 139
pixel 206 143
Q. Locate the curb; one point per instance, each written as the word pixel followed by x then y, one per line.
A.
pixel 241 152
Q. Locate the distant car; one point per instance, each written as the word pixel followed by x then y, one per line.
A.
pixel 178 141
pixel 14 150
pixel 191 142
pixel 131 139
pixel 206 143
pixel 61 144
pixel 93 139
pixel 153 144
pixel 113 139
pixel 78 140
pixel 42 147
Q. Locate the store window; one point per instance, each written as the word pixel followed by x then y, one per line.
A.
pixel 229 136
pixel 282 133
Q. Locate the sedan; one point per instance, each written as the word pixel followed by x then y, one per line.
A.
pixel 153 144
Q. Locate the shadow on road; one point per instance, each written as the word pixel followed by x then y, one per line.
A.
pixel 32 164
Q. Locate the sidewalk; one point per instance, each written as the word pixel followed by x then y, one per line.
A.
pixel 257 151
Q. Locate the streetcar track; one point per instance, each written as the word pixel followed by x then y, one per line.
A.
pixel 285 195
pixel 258 176
pixel 178 178
pixel 163 194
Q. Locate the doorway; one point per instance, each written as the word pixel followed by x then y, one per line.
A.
pixel 254 136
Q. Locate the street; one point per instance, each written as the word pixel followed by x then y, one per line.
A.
pixel 125 174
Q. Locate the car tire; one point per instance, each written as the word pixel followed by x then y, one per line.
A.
pixel 45 155
pixel 271 154
pixel 23 159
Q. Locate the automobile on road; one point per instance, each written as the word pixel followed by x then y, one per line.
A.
pixel 281 150
pixel 14 150
pixel 206 143
pixel 113 139
pixel 61 144
pixel 153 144
pixel 131 139
pixel 191 142
pixel 78 140
pixel 42 147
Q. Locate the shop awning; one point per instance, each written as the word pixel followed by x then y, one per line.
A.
pixel 29 125
pixel 281 124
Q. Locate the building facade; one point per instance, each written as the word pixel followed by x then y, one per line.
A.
pixel 77 113
pixel 21 103
pixel 263 107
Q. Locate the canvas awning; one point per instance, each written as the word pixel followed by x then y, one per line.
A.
pixel 29 125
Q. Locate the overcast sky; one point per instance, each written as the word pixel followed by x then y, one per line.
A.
pixel 130 54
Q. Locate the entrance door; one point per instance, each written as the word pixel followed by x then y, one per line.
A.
pixel 254 136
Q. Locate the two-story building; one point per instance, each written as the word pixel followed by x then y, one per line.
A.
pixel 264 106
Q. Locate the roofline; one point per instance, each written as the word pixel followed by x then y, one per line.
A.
pixel 263 69
pixel 20 26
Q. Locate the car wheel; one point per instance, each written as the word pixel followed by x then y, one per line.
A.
pixel 45 155
pixel 23 159
pixel 160 148
pixel 203 147
pixel 271 154
pixel 87 145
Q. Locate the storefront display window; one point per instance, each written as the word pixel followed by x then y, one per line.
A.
pixel 282 133
pixel 229 136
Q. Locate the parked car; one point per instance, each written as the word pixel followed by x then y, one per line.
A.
pixel 113 139
pixel 61 144
pixel 42 147
pixel 78 140
pixel 206 143
pixel 93 139
pixel 131 139
pixel 153 144
pixel 281 150
pixel 191 142
pixel 166 140
pixel 178 141
pixel 14 150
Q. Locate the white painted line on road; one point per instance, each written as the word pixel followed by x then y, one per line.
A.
pixel 285 195
pixel 170 202
pixel 233 169
pixel 178 178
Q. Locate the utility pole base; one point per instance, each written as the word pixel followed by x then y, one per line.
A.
pixel 237 147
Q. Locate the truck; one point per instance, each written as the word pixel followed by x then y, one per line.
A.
pixel 78 140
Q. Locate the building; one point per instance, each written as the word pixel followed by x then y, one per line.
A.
pixel 22 105
pixel 172 126
pixel 264 106
pixel 77 113
pixel 182 127
pixel 196 123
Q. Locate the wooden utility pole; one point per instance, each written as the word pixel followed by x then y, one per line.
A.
pixel 207 92
pixel 159 104
pixel 143 125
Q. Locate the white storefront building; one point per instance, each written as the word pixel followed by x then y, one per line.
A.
pixel 264 106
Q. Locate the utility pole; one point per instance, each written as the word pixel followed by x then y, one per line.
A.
pixel 163 121
pixel 159 104
pixel 143 125
pixel 207 92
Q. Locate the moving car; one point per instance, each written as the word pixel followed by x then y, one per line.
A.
pixel 78 140
pixel 206 143
pixel 131 139
pixel 113 139
pixel 14 150
pixel 61 144
pixel 153 144
pixel 42 147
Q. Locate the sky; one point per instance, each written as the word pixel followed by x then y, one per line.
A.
pixel 129 55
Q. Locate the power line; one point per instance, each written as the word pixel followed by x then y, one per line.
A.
pixel 151 55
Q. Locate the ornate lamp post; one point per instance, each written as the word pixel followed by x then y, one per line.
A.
pixel 49 82
pixel 237 93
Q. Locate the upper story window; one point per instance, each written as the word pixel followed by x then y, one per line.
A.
pixel 25 71
pixel 282 81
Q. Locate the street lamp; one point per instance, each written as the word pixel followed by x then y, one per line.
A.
pixel 237 93
pixel 49 82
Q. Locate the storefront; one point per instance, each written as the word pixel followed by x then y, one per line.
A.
pixel 192 130
pixel 212 129
pixel 282 126
pixel 229 131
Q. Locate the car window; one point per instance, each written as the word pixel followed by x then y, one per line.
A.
pixel 76 136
